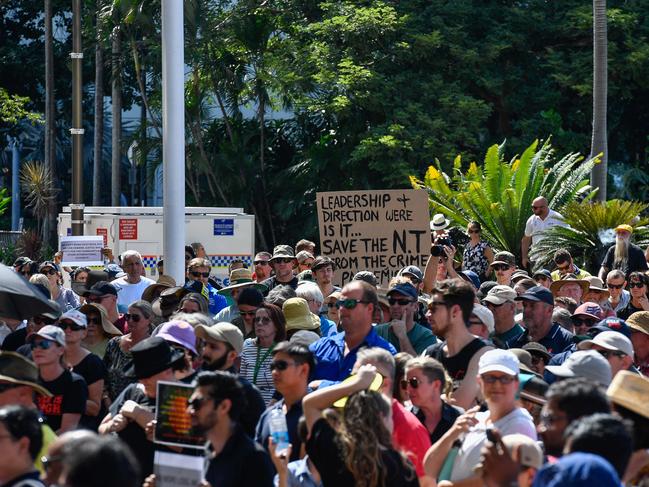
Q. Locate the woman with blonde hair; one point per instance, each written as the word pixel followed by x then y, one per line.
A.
pixel 361 452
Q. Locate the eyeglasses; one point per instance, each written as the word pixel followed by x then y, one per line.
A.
pixel 412 382
pixel 434 304
pixel 97 299
pixel 200 274
pixel 503 379
pixel 43 344
pixel 400 302
pixel 283 261
pixel 583 322
pixel 614 286
pixel 248 313
pixel 349 303
pixel 280 365
pixel 135 318
pixel 635 284
pixel 94 321
pixel 608 353
pixel 475 323
pixel 264 320
pixel 64 325
pixel 332 305
pixel 261 262
pixel 500 267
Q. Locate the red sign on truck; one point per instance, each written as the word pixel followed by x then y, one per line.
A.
pixel 128 228
pixel 104 233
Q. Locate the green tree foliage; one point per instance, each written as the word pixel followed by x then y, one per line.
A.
pixel 498 193
pixel 591 231
pixel 13 108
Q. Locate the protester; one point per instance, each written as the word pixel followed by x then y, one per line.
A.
pixel 105 294
pixel 134 408
pixel 542 219
pixel 503 265
pixel 543 277
pixel 614 347
pixel 22 439
pixel 100 330
pixel 64 297
pixel 240 279
pixel 248 302
pixel 262 266
pixel 565 265
pixel 304 260
pixel 323 271
pixel 361 452
pixel 510 460
pixel 498 380
pixel 270 329
pixel 301 472
pixel 88 365
pixel 335 356
pixel 585 317
pixel 615 283
pixel 403 332
pixel 639 292
pixel 53 455
pixel 571 287
pixel 298 316
pixel 69 391
pixel 117 357
pixel 540 356
pixel 333 313
pixel 198 269
pixel 282 261
pixel 223 344
pixel 290 368
pixel 311 293
pixel 477 255
pixel 132 285
pixel 180 335
pixel 624 255
pixel 481 323
pixel 448 312
pixel 500 300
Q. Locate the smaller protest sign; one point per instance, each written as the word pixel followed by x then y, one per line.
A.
pixel 82 250
pixel 174 470
pixel 173 423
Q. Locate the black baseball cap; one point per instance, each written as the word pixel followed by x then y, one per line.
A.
pixel 101 288
pixel 537 293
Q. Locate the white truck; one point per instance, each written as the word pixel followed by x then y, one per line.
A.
pixel 226 233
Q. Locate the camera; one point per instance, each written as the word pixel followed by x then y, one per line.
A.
pixel 437 249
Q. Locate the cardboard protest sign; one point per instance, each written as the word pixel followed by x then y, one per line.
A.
pixel 82 250
pixel 173 423
pixel 379 231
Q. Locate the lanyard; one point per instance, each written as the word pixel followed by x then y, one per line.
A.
pixel 259 361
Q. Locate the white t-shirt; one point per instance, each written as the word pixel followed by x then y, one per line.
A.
pixel 518 421
pixel 535 226
pixel 128 293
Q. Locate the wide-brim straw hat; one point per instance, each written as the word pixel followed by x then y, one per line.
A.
pixel 240 278
pixel 557 285
pixel 630 391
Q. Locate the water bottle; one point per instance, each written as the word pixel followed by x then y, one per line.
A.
pixel 279 431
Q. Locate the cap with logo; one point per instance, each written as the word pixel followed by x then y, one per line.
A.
pixel 589 309
pixel 76 316
pixel 611 324
pixel 412 270
pixel 500 295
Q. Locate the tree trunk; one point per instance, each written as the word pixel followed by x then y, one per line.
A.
pixel 116 99
pixel 49 154
pixel 599 143
pixel 99 116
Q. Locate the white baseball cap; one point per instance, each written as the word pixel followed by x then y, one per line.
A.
pixel 75 315
pixel 610 340
pixel 485 315
pixel 499 361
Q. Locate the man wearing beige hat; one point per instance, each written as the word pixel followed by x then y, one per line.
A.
pixel 501 302
pixel 239 280
pixel 623 255
pixel 283 261
pixel 223 343
pixel 638 322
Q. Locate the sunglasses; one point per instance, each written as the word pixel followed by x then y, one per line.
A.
pixel 200 274
pixel 280 365
pixel 537 359
pixel 583 322
pixel 500 267
pixel 64 325
pixel 475 323
pixel 248 313
pixel 503 379
pixel 614 286
pixel 97 299
pixel 400 302
pixel 135 318
pixel 38 320
pixel 349 303
pixel 635 284
pixel 283 261
pixel 434 304
pixel 265 320
pixel 260 262
pixel 412 382
pixel 331 305
pixel 196 403
pixel 608 353
pixel 94 321
pixel 43 345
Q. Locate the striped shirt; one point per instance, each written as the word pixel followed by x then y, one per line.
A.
pixel 258 357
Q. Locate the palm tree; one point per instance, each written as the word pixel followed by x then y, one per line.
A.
pixel 99 112
pixel 599 145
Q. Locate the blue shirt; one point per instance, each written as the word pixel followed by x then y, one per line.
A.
pixel 217 301
pixel 299 475
pixel 327 327
pixel 331 362
pixel 557 339
pixel 577 470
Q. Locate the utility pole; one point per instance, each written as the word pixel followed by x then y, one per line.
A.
pixel 173 138
pixel 15 184
pixel 76 131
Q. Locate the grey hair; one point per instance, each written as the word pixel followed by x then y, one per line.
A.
pixel 143 307
pixel 309 291
pixel 562 316
pixel 376 355
pixel 40 279
pixel 131 253
pixel 279 294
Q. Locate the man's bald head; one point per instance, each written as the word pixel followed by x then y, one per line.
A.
pixel 540 207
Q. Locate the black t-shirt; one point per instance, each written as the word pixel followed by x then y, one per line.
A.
pixel 635 262
pixel 92 369
pixel 457 365
pixel 272 282
pixel 133 435
pixel 70 394
pixel 241 463
pixel 326 454
pixel 14 340
pixel 31 479
pixel 292 418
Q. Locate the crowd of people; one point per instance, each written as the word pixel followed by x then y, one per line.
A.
pixel 473 371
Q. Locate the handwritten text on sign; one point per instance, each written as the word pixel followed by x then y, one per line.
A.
pixel 379 231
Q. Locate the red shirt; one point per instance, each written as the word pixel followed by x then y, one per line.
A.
pixel 410 436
